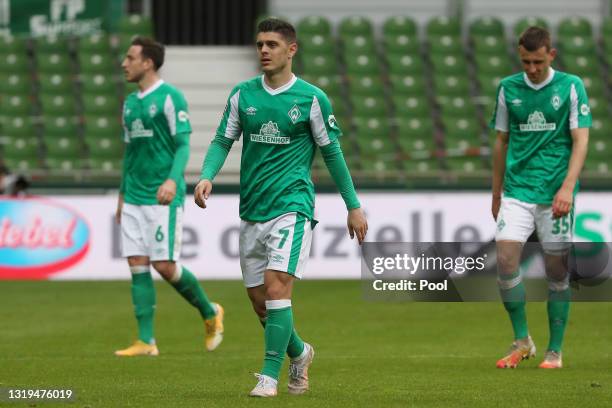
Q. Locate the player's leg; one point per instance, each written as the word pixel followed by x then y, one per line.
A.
pixel 165 231
pixel 143 290
pixel 556 237
pixel 257 295
pixel 515 223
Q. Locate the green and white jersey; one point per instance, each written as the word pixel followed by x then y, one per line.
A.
pixel 151 121
pixel 281 129
pixel 538 119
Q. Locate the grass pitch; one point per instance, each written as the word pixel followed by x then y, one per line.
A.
pixel 63 334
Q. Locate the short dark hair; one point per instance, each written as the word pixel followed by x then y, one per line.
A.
pixel 151 49
pixel 534 38
pixel 276 25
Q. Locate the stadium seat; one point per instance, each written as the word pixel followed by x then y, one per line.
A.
pixel 56 83
pixel 451 85
pixel 22 148
pixel 135 24
pixel 420 166
pixel 54 63
pixel 574 26
pixel 59 104
pixel 97 63
pixel 524 23
pixel 461 132
pixel 401 64
pixel 456 106
pixel 106 148
pixel 450 64
pixel 98 84
pixel 14 62
pixel 366 85
pixel 315 44
pixel 441 26
pixel 64 147
pixel 65 164
pixel 377 167
pixel 415 136
pixel 361 64
pixel 487 26
pixel 582 65
pixel 358 44
pixel 56 127
pixel 466 164
pixel 13 45
pixel 320 65
pixel 399 25
pixel 446 45
pixel 15 105
pixel 100 105
pixel 314 25
pixel 368 106
pixel 15 83
pixel 97 43
pixel 411 106
pixel 355 26
pixel 407 84
pixel 52 45
pixel 17 127
pixel 105 165
pixel 494 65
pixel 102 126
pixel 401 44
pixel 331 84
pixel 577 45
pixel 490 46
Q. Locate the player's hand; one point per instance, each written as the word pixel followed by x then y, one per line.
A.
pixel 119 209
pixel 202 192
pixel 166 192
pixel 495 205
pixel 562 203
pixel 357 224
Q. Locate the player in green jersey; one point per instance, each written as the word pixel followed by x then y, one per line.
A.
pixel 542 118
pixel 150 208
pixel 283 119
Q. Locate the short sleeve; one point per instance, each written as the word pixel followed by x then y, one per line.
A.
pixel 177 113
pixel 499 121
pixel 580 111
pixel 230 121
pixel 323 123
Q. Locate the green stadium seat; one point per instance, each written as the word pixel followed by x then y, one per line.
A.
pixel 487 26
pixel 56 83
pixel 314 25
pixel 446 45
pixel 407 84
pixel 110 165
pixel 366 85
pixel 100 105
pixel 411 106
pixel 415 136
pixel 22 165
pixel 15 105
pixel 373 126
pixel 135 24
pixel 400 25
pixel 354 26
pixel 362 64
pixel 106 147
pixel 15 83
pixel 320 65
pixel 98 84
pixel 575 26
pixel 14 63
pixel 358 44
pixel 524 23
pixel 402 64
pixel 97 63
pixel 102 126
pixel 13 45
pixel 493 65
pixel 456 106
pixel 490 46
pixel 594 85
pixel 582 65
pixel 52 45
pixel 65 164
pixel 440 26
pixel 377 167
pixel 19 127
pixel 22 148
pixel 56 127
pixel 449 65
pixel 314 44
pixel 489 84
pixel 368 106
pixel 64 147
pixel 97 43
pixel 63 105
pixel 420 166
pixel 401 44
pixel 451 85
pixel 462 128
pixel 54 63
pixel 577 45
pixel 123 44
pixel 466 164
pixel 331 84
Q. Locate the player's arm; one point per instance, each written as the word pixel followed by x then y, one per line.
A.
pixel 228 131
pixel 562 203
pixel 126 139
pixel 500 149
pixel 325 132
pixel 500 123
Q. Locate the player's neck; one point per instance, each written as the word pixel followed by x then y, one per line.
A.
pixel 148 81
pixel 278 79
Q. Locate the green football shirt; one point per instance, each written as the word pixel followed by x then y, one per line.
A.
pixel 538 119
pixel 281 129
pixel 152 120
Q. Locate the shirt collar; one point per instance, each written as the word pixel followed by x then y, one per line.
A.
pixel 537 87
pixel 142 94
pixel 280 89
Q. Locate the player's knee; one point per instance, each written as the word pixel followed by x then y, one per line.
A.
pixel 507 263
pixel 260 310
pixel 165 269
pixel 276 291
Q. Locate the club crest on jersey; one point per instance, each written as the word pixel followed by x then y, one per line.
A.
pixel 138 130
pixel 536 122
pixel 294 114
pixel 555 101
pixel 251 111
pixel 269 134
pixel 152 110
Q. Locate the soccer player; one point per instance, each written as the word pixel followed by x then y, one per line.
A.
pixel 150 207
pixel 542 119
pixel 283 120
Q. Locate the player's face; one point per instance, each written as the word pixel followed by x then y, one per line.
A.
pixel 536 63
pixel 274 52
pixel 134 66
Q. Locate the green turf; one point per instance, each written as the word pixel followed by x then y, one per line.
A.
pixel 62 334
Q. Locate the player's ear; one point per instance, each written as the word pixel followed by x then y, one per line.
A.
pixel 292 49
pixel 552 53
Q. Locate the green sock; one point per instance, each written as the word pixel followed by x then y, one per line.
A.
pixel 558 311
pixel 143 298
pixel 190 289
pixel 513 295
pixel 295 348
pixel 279 326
